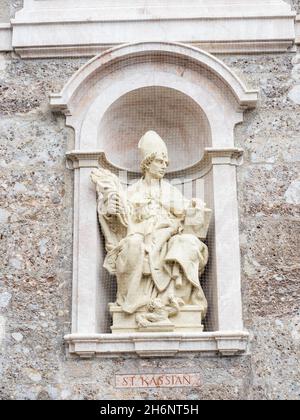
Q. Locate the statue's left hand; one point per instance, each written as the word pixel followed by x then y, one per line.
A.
pixel 115 205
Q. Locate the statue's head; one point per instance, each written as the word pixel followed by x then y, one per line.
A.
pixel 155 305
pixel 154 155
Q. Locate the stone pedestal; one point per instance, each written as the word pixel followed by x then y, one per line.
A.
pixel 189 320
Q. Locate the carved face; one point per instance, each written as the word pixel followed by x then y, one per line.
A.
pixel 157 168
pixel 155 304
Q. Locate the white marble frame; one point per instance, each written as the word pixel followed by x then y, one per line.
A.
pixel 223 98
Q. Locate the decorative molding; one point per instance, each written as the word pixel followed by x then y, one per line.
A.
pixel 246 98
pixel 77 159
pixel 5 37
pixel 232 47
pixel 157 344
pixel 226 156
pixel 85 28
pixel 297 23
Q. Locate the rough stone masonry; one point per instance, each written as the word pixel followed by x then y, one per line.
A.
pixel 36 243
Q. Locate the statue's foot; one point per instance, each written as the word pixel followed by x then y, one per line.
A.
pixel 142 321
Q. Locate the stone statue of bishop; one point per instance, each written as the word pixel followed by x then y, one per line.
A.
pixel 154 246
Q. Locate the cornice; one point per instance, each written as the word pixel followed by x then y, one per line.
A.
pixel 157 344
pixel 63 28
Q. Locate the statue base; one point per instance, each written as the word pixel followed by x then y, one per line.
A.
pixel 188 320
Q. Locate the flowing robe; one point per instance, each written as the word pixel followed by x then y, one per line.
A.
pixel 161 254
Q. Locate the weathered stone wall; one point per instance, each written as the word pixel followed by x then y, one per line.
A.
pixel 4 10
pixel 8 9
pixel 269 197
pixel 36 245
pixel 295 4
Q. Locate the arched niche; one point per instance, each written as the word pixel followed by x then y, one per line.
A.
pixel 194 101
pixel 175 116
